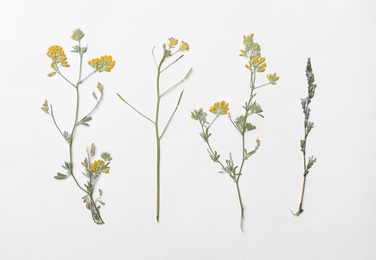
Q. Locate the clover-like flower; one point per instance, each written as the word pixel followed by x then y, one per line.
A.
pixel 104 63
pixel 199 115
pixel 272 78
pixel 219 108
pixel 77 34
pixel 57 54
pixel 257 63
pixel 184 46
pixel 96 166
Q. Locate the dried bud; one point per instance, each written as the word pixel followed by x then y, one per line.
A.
pixel 84 163
pixel 92 149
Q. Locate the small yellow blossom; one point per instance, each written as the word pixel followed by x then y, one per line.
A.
pixel 261 68
pixel 45 107
pixel 257 63
pixel 51 74
pixel 219 108
pixel 104 63
pixel 96 166
pixel 107 170
pixel 56 53
pixel 184 46
pixel 172 42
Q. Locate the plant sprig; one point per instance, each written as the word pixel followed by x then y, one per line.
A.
pixel 256 64
pixel 104 63
pixel 161 66
pixel 308 126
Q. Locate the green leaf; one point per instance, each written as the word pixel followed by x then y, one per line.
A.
pixel 61 176
pixel 84 121
pixel 101 202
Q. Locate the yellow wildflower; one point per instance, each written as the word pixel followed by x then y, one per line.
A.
pixel 184 46
pixel 107 170
pixel 219 108
pixel 56 53
pixel 96 166
pixel 257 62
pixel 172 42
pixel 104 63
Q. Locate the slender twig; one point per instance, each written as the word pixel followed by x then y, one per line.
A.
pixel 173 113
pixel 307 128
pixel 177 84
pixel 53 118
pixel 172 63
pixel 126 102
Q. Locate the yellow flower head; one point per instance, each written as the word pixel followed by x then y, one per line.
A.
pixel 257 62
pixel 184 46
pixel 219 108
pixel 107 170
pixel 104 63
pixel 56 53
pixel 172 42
pixel 96 166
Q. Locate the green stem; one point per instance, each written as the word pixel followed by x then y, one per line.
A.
pixel 304 173
pixel 158 140
pixel 241 206
pixel 134 108
pixel 53 118
pixel 75 125
pixel 172 115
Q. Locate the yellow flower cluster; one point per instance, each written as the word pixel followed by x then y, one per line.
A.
pixel 96 166
pixel 104 63
pixel 56 53
pixel 219 108
pixel 257 62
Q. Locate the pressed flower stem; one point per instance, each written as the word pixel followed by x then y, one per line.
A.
pixel 241 205
pixel 158 140
pixel 75 124
pixel 305 168
pixel 134 108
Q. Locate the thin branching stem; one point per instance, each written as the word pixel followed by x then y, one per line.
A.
pixel 172 63
pixel 177 84
pixel 126 102
pixel 173 113
pixel 53 118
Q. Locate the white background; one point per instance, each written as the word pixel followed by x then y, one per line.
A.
pixel 42 218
